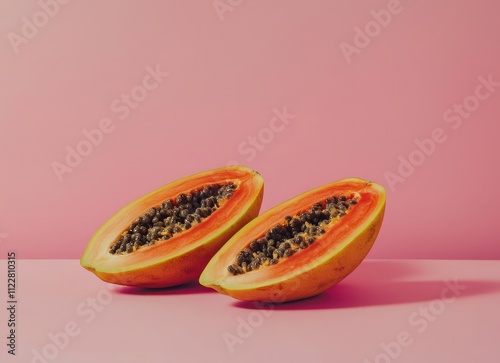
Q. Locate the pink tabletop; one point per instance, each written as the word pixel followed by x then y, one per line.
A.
pixel 385 311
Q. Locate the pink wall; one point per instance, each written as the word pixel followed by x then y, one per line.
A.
pixel 358 105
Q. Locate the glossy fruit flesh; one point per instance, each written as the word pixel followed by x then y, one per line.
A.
pixel 310 270
pixel 172 217
pixel 157 262
pixel 292 235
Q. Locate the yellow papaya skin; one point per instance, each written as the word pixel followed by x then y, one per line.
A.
pixel 182 258
pixel 310 271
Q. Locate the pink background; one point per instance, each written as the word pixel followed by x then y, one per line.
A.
pixel 226 76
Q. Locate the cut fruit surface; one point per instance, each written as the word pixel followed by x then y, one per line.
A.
pixel 301 247
pixel 166 237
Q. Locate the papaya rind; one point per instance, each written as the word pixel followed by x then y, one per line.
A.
pixel 308 280
pixel 180 266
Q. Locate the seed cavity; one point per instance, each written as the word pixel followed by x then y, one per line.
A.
pixel 172 217
pixel 293 234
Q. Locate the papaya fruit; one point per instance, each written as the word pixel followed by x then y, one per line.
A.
pixel 167 237
pixel 301 247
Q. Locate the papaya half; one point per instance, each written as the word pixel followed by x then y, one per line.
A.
pixel 301 247
pixel 167 237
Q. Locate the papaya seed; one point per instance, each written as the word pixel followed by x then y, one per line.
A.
pixel 171 217
pixel 295 233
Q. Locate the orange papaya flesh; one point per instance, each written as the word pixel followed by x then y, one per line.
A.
pixel 181 258
pixel 335 253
